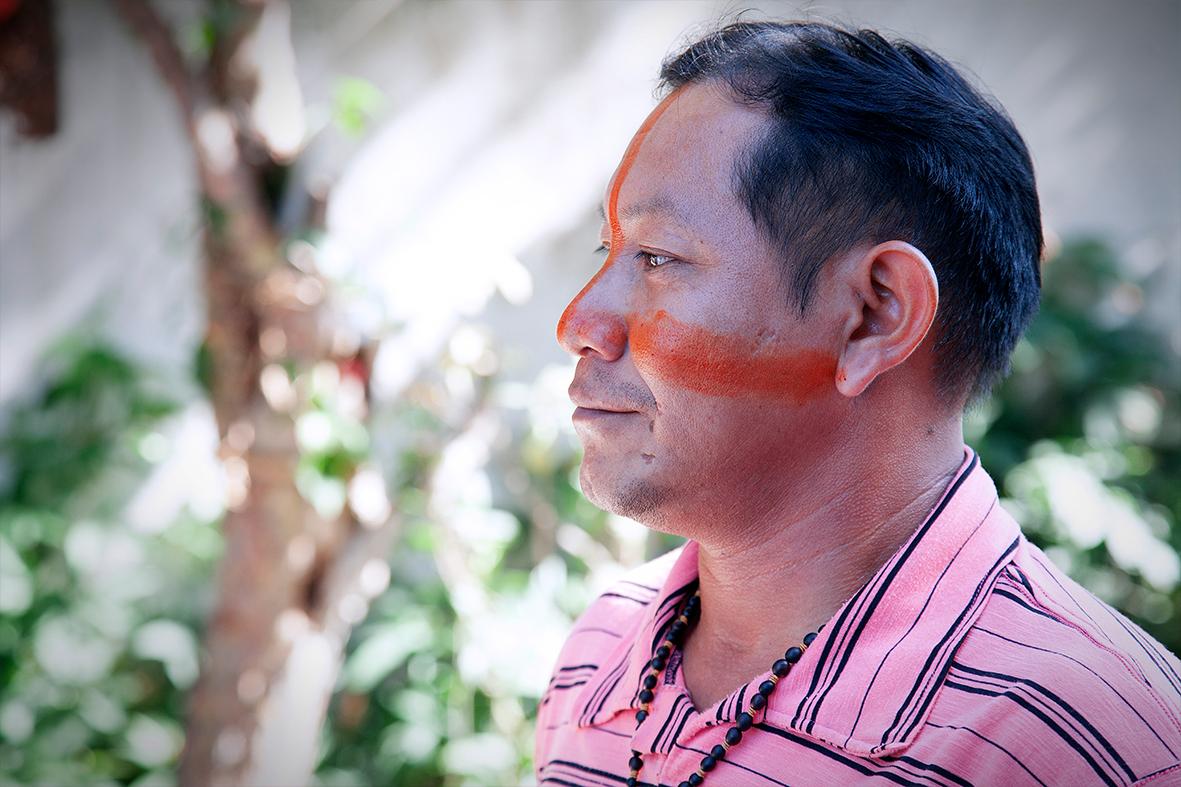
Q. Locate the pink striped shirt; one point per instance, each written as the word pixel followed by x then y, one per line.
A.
pixel 967 659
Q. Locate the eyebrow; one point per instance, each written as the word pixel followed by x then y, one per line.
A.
pixel 657 204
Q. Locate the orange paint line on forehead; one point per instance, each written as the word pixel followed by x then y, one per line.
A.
pixel 629 158
pixel 612 212
pixel 720 365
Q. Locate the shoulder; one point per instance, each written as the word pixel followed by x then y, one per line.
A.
pixel 596 654
pixel 628 596
pixel 617 613
pixel 609 625
pixel 1057 682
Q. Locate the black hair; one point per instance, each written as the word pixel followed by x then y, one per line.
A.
pixel 868 141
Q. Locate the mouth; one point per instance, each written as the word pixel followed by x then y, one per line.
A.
pixel 596 413
pixel 596 395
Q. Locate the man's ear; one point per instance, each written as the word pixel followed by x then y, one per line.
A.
pixel 899 295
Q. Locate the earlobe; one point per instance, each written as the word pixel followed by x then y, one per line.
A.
pixel 898 295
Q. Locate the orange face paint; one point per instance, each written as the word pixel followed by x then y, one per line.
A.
pixel 625 165
pixel 731 366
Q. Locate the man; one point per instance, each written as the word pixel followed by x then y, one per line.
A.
pixel 820 247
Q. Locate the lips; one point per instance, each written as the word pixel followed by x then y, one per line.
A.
pixel 598 405
pixel 590 402
pixel 593 408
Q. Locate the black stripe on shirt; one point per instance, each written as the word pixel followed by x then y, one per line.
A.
pixel 681 708
pixel 919 711
pixel 921 679
pixel 1050 723
pixel 1154 656
pixel 991 743
pixel 578 768
pixel 857 764
pixel 1061 703
pixel 814 698
pixel 1084 666
pixel 601 694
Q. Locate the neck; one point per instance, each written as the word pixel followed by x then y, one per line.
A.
pixel 765 584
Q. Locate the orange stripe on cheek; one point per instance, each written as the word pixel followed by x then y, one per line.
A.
pixel 732 366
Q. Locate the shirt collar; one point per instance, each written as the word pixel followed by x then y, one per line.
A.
pixel 616 684
pixel 868 680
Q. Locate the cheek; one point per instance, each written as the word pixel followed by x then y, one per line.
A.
pixel 718 364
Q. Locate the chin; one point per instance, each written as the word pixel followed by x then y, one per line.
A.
pixel 641 501
pixel 637 499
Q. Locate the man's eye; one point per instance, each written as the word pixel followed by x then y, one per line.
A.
pixel 654 260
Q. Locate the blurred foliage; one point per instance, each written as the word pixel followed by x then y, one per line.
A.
pixel 498 549
pixel 98 618
pixel 77 429
pixel 441 682
pixel 357 104
pixel 1084 438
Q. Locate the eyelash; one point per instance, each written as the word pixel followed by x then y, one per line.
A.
pixel 648 258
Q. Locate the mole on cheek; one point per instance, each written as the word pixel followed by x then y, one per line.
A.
pixel 721 365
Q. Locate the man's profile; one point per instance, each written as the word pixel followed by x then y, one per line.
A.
pixel 820 247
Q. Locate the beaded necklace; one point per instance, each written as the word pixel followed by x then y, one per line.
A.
pixel 672 641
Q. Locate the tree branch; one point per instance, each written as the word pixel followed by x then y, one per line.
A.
pixel 142 18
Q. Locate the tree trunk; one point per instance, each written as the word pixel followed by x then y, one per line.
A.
pixel 272 647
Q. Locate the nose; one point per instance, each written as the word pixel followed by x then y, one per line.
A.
pixel 593 322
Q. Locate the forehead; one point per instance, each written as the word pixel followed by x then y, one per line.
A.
pixel 681 163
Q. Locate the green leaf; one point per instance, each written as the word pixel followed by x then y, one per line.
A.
pixel 358 102
pixel 384 651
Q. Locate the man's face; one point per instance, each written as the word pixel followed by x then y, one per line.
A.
pixel 698 389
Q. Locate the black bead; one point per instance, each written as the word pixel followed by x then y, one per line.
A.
pixel 809 639
pixel 733 736
pixel 658 664
pixel 646 696
pixel 744 721
pixel 695 780
pixel 684 784
pixel 663 652
pixel 641 715
pixel 758 702
pixel 678 629
pixel 718 752
pixel 635 763
pixel 649 681
pixel 708 762
pixel 631 781
pixel 766 687
pixel 793 655
pixel 781 668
